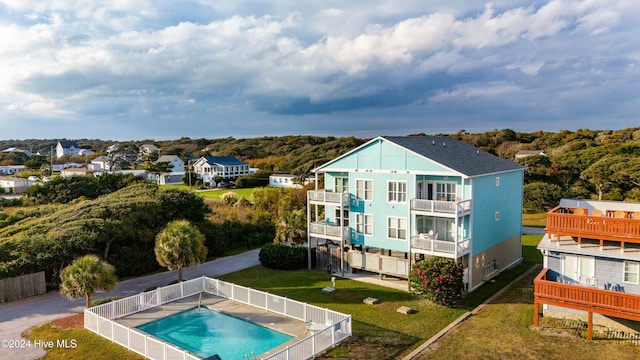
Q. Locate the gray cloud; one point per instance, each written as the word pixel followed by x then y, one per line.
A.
pixel 324 68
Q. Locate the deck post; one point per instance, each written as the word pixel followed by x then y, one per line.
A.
pixel 590 326
pixel 536 313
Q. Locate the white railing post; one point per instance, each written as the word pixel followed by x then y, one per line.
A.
pixel 158 300
pixel 285 306
pixel 113 310
pixel 128 338
pixel 181 289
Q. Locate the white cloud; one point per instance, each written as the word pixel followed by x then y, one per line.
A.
pixel 151 58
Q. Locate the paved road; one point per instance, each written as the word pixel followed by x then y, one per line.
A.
pixel 18 316
pixel 532 230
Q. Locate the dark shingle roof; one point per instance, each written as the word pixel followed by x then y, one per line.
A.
pixel 224 160
pixel 455 154
pixel 68 144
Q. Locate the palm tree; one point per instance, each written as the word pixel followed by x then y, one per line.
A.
pixel 85 276
pixel 292 226
pixel 180 245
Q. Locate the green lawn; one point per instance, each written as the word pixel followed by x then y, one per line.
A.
pixel 213 193
pixel 216 193
pixel 534 220
pixel 379 331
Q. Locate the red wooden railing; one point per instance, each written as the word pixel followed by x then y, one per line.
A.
pixel 594 227
pixel 592 300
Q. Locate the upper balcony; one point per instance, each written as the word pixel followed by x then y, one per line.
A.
pixel 329 231
pixel 457 208
pixel 620 226
pixel 323 197
pixel 430 245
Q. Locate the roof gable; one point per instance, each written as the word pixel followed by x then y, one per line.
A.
pixel 441 154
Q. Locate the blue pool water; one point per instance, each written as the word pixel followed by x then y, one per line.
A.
pixel 206 332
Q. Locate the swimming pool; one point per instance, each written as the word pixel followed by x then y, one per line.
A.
pixel 206 332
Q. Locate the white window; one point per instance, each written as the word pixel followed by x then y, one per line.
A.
pixel 397 191
pixel 364 224
pixel 578 269
pixel 342 219
pixel 446 192
pixel 342 185
pixel 397 228
pixel 498 181
pixel 364 189
pixel 631 270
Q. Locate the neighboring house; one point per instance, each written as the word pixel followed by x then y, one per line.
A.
pixel 226 167
pixel 174 175
pixel 285 181
pixel 85 152
pixel 11 169
pixel 147 149
pixel 74 171
pixel 178 164
pixel 12 149
pixel 396 200
pixel 13 184
pixel 591 260
pixel 67 148
pixel 101 163
pixel 526 153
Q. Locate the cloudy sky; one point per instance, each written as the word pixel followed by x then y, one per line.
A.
pixel 163 69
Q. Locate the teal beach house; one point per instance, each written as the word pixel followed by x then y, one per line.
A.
pixel 394 201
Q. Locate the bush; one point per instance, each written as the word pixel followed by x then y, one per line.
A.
pixel 440 279
pixel 283 257
pixel 105 300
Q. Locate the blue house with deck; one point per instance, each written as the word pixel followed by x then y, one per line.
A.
pixel 395 200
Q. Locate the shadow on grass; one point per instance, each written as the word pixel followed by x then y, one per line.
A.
pixel 373 342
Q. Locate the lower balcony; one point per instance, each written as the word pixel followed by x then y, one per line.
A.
pixel 584 298
pixel 431 245
pixel 329 231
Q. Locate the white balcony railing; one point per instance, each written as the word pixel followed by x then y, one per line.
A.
pixel 322 196
pixel 436 246
pixel 330 231
pixel 447 207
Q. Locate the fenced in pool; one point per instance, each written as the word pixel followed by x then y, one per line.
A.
pixel 330 327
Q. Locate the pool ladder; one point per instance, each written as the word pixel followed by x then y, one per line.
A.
pixel 249 356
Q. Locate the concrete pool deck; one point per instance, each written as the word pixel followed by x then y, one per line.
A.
pixel 296 328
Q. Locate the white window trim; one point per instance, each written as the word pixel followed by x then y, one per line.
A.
pixel 364 190
pixel 361 221
pixel 445 183
pixel 624 272
pixel 397 229
pixel 397 192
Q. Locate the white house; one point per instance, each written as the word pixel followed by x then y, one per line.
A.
pixel 101 163
pixel 146 149
pixel 285 181
pixel 11 169
pixel 73 171
pixel 178 164
pixel 13 184
pixel 208 168
pixel 174 175
pixel 67 148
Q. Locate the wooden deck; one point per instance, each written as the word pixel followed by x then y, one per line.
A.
pixel 589 299
pixel 623 227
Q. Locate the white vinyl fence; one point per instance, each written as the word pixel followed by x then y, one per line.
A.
pixel 101 319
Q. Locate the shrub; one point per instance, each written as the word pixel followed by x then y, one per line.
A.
pixel 105 300
pixel 283 257
pixel 440 279
pixel 229 198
